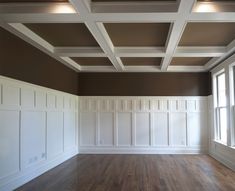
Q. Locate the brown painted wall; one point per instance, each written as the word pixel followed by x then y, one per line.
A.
pixel 24 62
pixel 144 84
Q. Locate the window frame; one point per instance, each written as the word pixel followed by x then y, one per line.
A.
pixel 228 67
pixel 218 108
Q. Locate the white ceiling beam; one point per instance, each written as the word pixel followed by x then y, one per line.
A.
pixel 133 17
pixel 134 7
pixel 199 51
pixel 99 33
pixel 79 51
pixel 212 17
pixel 230 49
pixel 142 69
pixel 27 35
pixel 186 69
pixel 185 8
pixel 40 18
pixel 46 8
pixel 98 69
pixel 139 51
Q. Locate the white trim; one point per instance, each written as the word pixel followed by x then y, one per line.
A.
pixel 223 160
pixel 79 52
pixel 127 7
pixel 141 150
pixel 31 174
pixel 48 8
pixel 199 51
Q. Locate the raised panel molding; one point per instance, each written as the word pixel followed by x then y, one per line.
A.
pixel 151 124
pixel 37 130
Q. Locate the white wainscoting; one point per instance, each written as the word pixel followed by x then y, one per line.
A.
pixel 38 130
pixel 143 124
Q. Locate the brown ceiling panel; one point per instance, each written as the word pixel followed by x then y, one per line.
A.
pixel 189 61
pixel 64 34
pixel 138 34
pixel 32 1
pixel 92 61
pixel 143 61
pixel 208 34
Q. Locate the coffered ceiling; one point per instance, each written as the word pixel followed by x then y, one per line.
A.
pixel 126 35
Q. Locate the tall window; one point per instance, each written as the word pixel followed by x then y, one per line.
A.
pixel 221 109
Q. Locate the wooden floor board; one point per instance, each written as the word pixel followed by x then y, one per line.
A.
pixel 136 173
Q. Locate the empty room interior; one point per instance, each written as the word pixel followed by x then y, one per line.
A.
pixel 117 95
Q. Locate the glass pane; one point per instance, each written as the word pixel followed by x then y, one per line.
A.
pixel 221 90
pixel 223 125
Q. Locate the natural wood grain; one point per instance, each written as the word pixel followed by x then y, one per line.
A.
pixel 136 172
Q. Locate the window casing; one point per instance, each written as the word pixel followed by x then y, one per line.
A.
pixel 224 103
pixel 221 107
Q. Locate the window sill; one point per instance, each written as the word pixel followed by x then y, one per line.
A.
pixel 223 144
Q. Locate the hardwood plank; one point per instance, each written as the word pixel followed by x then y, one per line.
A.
pixel 136 172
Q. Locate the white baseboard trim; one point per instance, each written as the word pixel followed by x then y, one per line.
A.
pixel 28 175
pixel 223 160
pixel 92 150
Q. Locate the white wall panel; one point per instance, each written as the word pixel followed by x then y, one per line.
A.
pixel 178 129
pixel 59 102
pixel 88 128
pixel 54 133
pixel 124 121
pixel 51 101
pixel 160 128
pixel 106 127
pixel 143 124
pixel 196 131
pixel 9 142
pixel 69 130
pixel 11 95
pixel 41 99
pixel 142 129
pixel 36 131
pixel 27 98
pixel 33 137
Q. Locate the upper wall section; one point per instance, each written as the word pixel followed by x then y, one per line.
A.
pixel 22 61
pixel 144 84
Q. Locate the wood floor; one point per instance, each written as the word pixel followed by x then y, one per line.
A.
pixel 136 173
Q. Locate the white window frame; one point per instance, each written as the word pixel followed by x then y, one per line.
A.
pixel 217 107
pixel 227 67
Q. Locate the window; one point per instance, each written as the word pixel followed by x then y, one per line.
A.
pixel 221 108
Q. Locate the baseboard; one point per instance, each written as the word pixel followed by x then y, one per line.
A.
pixel 224 161
pixel 96 150
pixel 28 175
